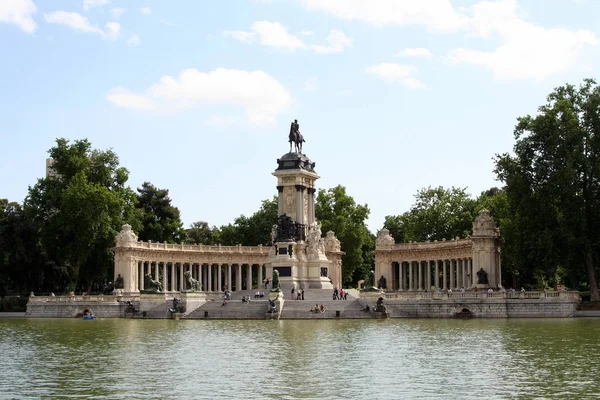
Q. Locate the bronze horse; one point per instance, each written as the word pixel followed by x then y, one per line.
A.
pixel 296 137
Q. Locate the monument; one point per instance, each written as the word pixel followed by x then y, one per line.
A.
pixel 299 251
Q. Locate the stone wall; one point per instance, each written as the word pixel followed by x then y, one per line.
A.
pixel 72 307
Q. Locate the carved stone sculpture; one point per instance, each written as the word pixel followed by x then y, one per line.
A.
pixel 484 225
pixel 119 282
pixel 150 285
pixel 332 244
pixel 192 284
pixel 126 237
pixel 384 238
pixel 314 241
pixel 276 287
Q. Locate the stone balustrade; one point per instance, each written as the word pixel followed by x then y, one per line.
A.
pixel 564 295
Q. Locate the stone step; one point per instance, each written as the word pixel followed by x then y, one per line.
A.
pixel 233 309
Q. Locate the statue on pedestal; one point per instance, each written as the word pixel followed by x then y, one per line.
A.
pixel 315 243
pixel 276 287
pixel 296 137
pixel 482 277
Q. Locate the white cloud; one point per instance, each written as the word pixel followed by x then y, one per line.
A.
pixel 435 15
pixel 112 30
pixel 117 12
pixel 311 85
pixel 87 4
pixel 18 12
pixel 337 40
pixel 124 98
pixel 273 34
pixel 241 36
pixel 418 52
pixel 145 10
pixel 73 20
pixel 528 51
pixel 134 40
pixel 396 73
pixel 80 23
pixel 306 33
pixel 259 94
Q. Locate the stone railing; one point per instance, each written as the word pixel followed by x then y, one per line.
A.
pixel 202 248
pixel 436 244
pixel 81 299
pixel 563 295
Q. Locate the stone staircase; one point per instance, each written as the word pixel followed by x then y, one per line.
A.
pixel 234 309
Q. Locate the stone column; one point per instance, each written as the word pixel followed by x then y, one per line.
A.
pixel 259 279
pixel 451 269
pixel 436 278
pixel 248 276
pixel 444 276
pixel 280 200
pixel 142 270
pixel 164 274
pixel 410 275
pixel 229 276
pixel 311 204
pixel 428 280
pixel 219 278
pixel 209 278
pixel 400 280
pixel 300 204
pixel 420 272
pixel 238 278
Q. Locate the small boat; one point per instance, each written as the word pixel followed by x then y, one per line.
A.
pixel 88 317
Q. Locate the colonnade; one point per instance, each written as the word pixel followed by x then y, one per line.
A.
pixel 443 274
pixel 213 277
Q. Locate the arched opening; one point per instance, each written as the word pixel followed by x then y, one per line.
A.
pixel 464 312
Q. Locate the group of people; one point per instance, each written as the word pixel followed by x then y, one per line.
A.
pixel 340 294
pixel 226 297
pixel 297 294
pixel 259 294
pixel 318 309
pixel 245 299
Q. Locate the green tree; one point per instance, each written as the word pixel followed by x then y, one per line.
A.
pixel 201 233
pixel 250 231
pixel 161 221
pixel 80 211
pixel 337 211
pixel 437 214
pixel 553 184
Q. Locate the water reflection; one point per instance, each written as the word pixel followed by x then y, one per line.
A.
pixel 329 359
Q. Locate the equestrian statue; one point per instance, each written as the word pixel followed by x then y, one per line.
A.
pixel 296 137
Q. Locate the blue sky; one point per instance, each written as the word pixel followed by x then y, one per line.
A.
pixel 197 96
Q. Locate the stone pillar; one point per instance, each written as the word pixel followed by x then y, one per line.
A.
pixel 142 269
pixel 209 278
pixel 280 201
pixel 444 276
pixel 311 204
pixel 452 281
pixel 428 269
pixel 400 280
pixel 248 276
pixel 238 278
pixel 410 275
pixel 165 279
pixel 229 276
pixel 436 278
pixel 300 203
pixel 156 275
pixel 219 277
pixel 259 279
pixel 420 273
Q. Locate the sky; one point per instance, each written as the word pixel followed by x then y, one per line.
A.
pixel 392 96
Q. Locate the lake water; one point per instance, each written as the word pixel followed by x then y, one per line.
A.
pixel 320 359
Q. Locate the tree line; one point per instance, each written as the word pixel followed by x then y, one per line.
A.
pixel 59 237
